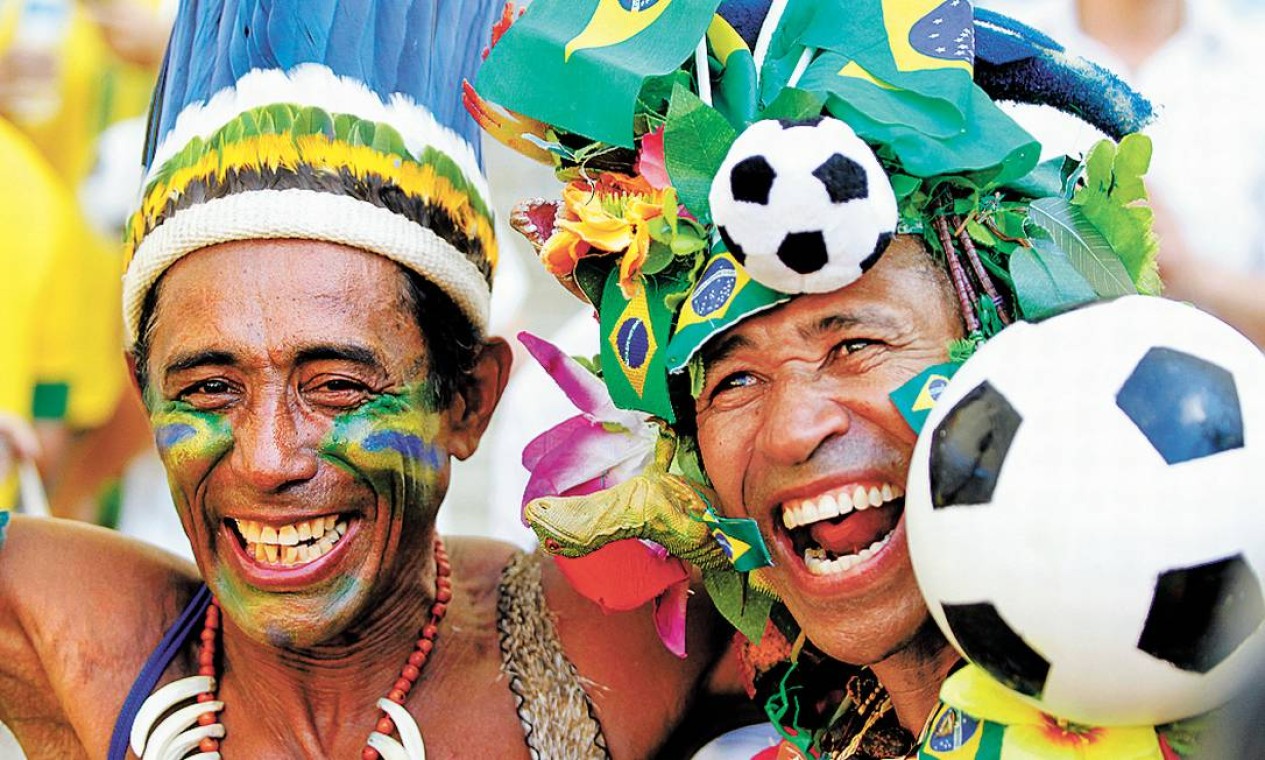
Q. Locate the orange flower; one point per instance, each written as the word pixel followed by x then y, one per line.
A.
pixel 610 216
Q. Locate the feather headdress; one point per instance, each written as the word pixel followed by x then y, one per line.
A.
pixel 336 120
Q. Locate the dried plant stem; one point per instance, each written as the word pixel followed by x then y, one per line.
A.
pixel 981 274
pixel 961 284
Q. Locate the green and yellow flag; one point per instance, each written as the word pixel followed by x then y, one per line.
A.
pixel 900 73
pixel 722 296
pixel 579 64
pixel 635 341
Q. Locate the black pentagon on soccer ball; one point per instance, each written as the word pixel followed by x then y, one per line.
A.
pixel 803 252
pixel 751 179
pixel 1186 407
pixel 969 447
pixel 739 255
pixel 1200 615
pixel 989 642
pixel 880 245
pixel 843 178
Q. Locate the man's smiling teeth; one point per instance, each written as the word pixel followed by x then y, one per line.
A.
pixel 819 563
pixel 294 544
pixel 841 501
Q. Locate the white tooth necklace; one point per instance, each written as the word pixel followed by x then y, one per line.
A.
pixel 195 727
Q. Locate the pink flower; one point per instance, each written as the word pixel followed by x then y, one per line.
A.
pixel 601 447
pixel 650 162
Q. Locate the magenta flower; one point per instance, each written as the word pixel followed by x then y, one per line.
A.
pixel 601 447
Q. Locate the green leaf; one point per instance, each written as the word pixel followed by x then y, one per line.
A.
pixel 1045 282
pixel 1085 246
pixel 794 104
pixel 657 259
pixel 980 234
pixel 1113 199
pixel 904 185
pixel 695 142
pixel 686 242
pixel 745 609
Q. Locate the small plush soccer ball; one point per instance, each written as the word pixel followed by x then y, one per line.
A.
pixel 804 206
pixel 1084 511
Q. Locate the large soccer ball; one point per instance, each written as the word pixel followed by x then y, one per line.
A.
pixel 1086 511
pixel 804 206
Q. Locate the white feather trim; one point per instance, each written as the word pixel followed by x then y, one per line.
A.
pixel 316 85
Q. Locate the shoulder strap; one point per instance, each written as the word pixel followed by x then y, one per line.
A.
pixel 162 656
pixel 556 714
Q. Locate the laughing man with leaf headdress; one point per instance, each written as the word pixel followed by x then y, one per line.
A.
pixel 794 219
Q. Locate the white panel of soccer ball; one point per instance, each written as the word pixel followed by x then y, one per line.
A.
pixel 1086 513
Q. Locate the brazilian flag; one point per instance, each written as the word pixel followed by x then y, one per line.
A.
pixel 901 73
pixel 723 294
pixel 916 398
pixel 924 48
pixel 634 342
pixel 955 735
pixel 739 539
pixel 579 64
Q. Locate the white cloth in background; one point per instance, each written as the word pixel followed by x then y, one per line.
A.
pixel 533 403
pixel 1208 167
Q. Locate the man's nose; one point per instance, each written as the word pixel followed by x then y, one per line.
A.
pixel 271 449
pixel 799 416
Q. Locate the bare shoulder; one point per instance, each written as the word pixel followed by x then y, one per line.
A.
pixel 639 688
pixel 80 609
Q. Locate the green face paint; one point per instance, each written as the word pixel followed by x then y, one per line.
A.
pixel 389 443
pixel 393 475
pixel 190 441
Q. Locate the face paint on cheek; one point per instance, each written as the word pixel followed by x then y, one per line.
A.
pixel 391 444
pixel 190 441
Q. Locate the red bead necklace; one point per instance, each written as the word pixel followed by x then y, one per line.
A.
pixel 409 674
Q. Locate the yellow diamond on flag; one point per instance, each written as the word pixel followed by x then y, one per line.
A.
pixel 633 341
pixel 616 21
pixel 930 34
pixel 718 287
pixel 931 391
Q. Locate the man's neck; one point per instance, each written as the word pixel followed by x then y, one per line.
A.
pixel 913 675
pixel 1133 29
pixel 315 695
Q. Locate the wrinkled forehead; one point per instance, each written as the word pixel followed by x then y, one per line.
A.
pixel 256 294
pixel 905 293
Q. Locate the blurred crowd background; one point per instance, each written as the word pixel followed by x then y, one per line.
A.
pixel 75 77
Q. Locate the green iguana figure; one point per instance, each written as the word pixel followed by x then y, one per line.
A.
pixel 656 505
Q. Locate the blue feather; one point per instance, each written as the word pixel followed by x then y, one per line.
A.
pixel 1017 63
pixel 995 26
pixel 343 51
pixel 391 37
pixel 421 48
pixel 300 33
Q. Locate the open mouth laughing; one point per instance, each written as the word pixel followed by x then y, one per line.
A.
pixel 835 531
pixel 290 545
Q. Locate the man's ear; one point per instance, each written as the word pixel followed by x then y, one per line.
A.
pixel 471 410
pixel 134 378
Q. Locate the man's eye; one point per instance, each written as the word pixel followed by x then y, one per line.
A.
pixel 341 385
pixel 734 381
pixel 339 392
pixel 207 388
pixel 213 393
pixel 852 345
